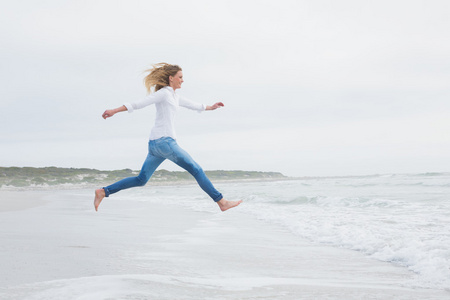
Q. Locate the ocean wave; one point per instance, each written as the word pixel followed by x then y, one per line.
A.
pixel 407 225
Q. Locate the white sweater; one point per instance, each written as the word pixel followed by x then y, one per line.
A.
pixel 167 102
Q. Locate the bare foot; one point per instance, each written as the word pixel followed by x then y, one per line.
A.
pixel 99 195
pixel 225 204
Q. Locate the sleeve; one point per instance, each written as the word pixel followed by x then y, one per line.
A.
pixel 185 102
pixel 149 100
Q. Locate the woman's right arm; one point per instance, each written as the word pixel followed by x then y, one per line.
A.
pixel 149 100
pixel 130 107
pixel 111 112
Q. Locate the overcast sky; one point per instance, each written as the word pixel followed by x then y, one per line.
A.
pixel 310 87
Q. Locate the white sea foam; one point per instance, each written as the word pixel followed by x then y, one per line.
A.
pixel 156 286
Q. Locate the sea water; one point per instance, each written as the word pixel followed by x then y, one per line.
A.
pixel 403 219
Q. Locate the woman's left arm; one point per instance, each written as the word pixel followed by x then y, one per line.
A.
pixel 185 102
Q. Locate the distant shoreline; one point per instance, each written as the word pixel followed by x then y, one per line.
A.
pixel 32 178
pixel 19 178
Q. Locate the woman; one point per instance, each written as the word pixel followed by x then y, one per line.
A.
pixel 164 79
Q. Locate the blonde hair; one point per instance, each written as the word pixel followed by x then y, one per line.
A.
pixel 159 76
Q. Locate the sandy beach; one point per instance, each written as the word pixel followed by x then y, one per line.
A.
pixel 14 200
pixel 55 246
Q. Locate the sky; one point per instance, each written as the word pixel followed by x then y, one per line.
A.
pixel 311 88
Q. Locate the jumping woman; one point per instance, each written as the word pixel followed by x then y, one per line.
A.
pixel 164 79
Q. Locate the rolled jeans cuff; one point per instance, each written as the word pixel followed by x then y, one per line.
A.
pixel 218 198
pixel 107 193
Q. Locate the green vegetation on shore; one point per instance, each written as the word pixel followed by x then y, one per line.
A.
pixel 53 176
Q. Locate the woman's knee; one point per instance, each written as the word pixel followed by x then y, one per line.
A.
pixel 142 179
pixel 194 168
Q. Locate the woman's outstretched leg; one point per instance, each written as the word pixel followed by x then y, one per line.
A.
pixel 148 168
pixel 184 160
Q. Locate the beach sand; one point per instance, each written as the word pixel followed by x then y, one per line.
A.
pixel 55 246
pixel 10 201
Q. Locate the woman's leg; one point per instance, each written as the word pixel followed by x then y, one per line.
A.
pixel 148 168
pixel 184 160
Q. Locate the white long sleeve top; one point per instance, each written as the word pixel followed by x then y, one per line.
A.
pixel 167 102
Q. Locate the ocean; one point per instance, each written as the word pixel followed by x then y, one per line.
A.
pixel 377 232
pixel 403 219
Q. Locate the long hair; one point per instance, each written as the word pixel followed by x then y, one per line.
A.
pixel 159 76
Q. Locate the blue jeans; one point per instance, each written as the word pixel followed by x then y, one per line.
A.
pixel 158 151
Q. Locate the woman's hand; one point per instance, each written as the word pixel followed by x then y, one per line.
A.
pixel 214 106
pixel 108 113
pixel 111 112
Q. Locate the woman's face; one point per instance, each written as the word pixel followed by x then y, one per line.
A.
pixel 177 80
